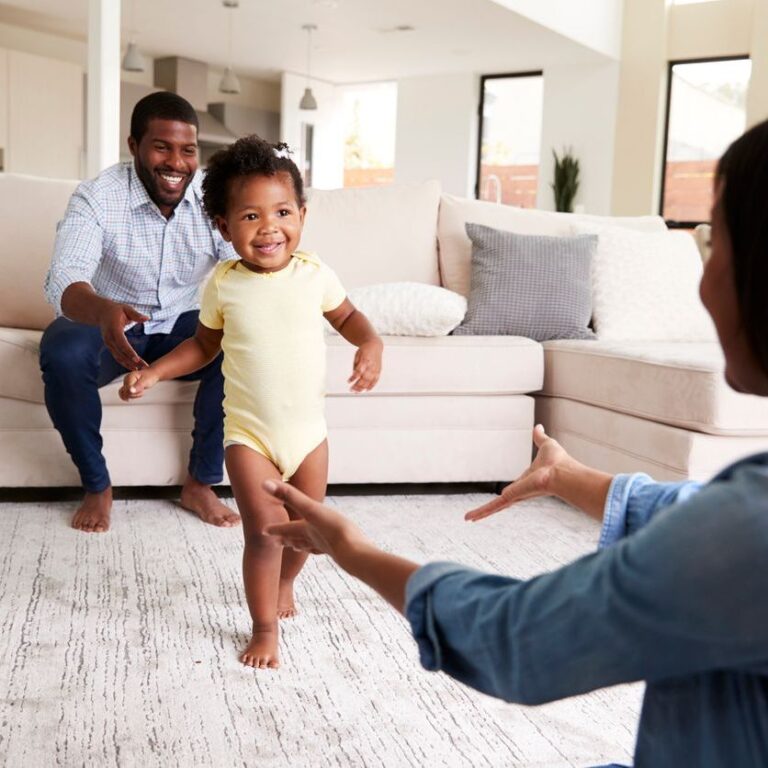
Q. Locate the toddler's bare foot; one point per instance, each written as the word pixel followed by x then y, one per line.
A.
pixel 286 607
pixel 200 499
pixel 92 515
pixel 261 652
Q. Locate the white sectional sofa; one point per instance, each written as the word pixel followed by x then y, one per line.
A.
pixel 447 409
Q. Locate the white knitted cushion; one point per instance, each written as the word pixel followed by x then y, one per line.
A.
pixel 645 286
pixel 410 309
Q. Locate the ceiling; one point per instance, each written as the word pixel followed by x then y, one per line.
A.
pixel 356 40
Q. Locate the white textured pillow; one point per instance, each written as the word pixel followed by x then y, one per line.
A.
pixel 410 309
pixel 645 285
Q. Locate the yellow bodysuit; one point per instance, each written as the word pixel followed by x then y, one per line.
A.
pixel 274 354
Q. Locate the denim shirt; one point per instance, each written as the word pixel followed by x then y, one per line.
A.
pixel 676 596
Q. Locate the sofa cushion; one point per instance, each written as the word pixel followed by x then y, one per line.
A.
pixel 674 383
pixel 529 285
pixel 441 365
pixel 375 235
pixel 31 208
pixel 456 248
pixel 645 286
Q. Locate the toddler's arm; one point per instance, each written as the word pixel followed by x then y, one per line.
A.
pixel 355 327
pixel 189 356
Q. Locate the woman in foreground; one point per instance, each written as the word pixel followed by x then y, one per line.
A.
pixel 676 596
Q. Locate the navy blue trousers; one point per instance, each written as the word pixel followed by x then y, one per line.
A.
pixel 75 363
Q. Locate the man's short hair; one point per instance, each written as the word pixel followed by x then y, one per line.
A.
pixel 162 105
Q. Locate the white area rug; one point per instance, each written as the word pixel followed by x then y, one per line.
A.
pixel 121 649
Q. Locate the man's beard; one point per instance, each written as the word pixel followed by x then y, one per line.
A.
pixel 158 196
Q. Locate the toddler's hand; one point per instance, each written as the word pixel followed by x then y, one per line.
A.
pixel 367 367
pixel 136 382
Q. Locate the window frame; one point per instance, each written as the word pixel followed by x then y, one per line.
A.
pixel 483 78
pixel 673 223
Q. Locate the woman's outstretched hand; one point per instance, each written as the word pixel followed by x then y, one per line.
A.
pixel 535 481
pixel 321 530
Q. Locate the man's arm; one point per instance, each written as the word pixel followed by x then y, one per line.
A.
pixel 76 257
pixel 81 303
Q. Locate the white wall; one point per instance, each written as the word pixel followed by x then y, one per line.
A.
pixel 580 112
pixel 593 23
pixel 437 131
pixel 328 171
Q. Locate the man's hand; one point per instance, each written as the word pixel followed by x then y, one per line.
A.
pixel 135 384
pixel 112 323
pixel 321 530
pixel 535 481
pixel 367 366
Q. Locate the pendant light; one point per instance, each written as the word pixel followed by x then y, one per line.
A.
pixel 308 100
pixel 229 83
pixel 133 61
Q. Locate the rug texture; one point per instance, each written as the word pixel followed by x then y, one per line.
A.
pixel 121 649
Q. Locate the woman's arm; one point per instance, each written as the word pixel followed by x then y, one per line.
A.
pixel 680 597
pixel 189 356
pixel 623 503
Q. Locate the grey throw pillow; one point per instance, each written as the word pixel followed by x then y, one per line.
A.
pixel 529 285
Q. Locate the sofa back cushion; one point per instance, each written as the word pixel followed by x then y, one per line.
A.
pixel 377 234
pixel 31 208
pixel 456 248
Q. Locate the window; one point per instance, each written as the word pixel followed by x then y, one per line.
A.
pixel 705 113
pixel 369 114
pixel 510 138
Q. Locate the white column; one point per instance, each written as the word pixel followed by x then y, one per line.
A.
pixel 103 123
pixel 757 97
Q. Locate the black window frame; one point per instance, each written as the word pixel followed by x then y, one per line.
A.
pixel 673 223
pixel 483 78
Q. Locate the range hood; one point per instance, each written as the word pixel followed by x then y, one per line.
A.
pixel 189 78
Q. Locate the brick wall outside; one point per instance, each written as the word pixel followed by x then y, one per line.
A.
pixel 368 177
pixel 519 184
pixel 688 190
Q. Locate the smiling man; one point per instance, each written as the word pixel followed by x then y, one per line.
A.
pixel 130 255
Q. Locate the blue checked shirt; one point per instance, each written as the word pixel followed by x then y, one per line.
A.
pixel 115 238
pixel 677 596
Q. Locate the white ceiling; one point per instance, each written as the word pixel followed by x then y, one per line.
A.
pixel 355 41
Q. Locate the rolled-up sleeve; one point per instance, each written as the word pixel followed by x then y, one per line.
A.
pixel 676 598
pixel 634 499
pixel 77 250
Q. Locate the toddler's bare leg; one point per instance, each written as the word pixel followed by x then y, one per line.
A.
pixel 311 478
pixel 247 471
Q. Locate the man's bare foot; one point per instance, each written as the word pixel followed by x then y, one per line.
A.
pixel 286 607
pixel 92 515
pixel 200 499
pixel 261 652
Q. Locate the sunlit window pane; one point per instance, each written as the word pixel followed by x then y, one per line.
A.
pixel 511 139
pixel 370 113
pixel 706 113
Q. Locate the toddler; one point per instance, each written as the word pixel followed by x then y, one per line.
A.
pixel 265 311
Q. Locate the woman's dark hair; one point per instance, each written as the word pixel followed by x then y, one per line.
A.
pixel 249 156
pixel 162 105
pixel 743 172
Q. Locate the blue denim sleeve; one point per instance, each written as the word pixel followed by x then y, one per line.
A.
pixel 634 499
pixel 628 612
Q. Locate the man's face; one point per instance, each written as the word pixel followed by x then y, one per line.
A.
pixel 166 160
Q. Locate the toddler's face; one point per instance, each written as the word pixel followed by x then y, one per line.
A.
pixel 263 221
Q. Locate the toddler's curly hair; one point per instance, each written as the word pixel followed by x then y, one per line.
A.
pixel 248 156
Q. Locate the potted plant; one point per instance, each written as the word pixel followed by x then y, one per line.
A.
pixel 566 183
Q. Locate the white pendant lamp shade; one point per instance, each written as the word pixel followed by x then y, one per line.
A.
pixel 229 83
pixel 308 100
pixel 133 61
